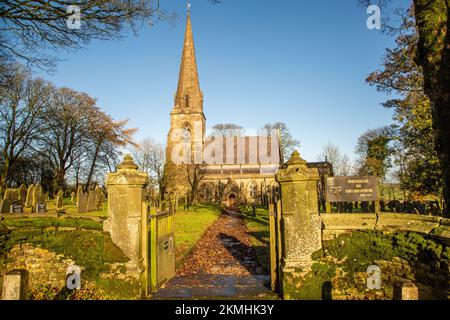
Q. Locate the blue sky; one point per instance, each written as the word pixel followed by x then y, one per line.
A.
pixel 300 62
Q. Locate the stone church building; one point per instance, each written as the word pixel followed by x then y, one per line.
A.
pixel 243 168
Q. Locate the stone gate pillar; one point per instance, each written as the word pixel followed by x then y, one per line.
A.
pixel 126 195
pixel 300 222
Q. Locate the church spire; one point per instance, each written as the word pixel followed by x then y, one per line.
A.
pixel 189 96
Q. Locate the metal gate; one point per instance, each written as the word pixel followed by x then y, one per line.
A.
pixel 158 246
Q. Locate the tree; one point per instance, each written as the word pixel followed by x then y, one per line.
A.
pixel 228 130
pixel 288 143
pixel 375 151
pixel 341 163
pixel 66 126
pixel 150 157
pixel 194 174
pixel 22 104
pixel 31 28
pixel 104 134
pixel 432 22
pixel 415 154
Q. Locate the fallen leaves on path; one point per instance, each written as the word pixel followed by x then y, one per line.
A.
pixel 225 249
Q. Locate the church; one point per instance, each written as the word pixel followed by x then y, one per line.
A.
pixel 229 169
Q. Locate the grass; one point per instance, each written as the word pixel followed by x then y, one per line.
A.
pixel 90 250
pixel 189 226
pixel 40 222
pixel 258 228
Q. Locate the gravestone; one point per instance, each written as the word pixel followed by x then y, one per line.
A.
pixel 41 207
pixel 126 195
pixel 10 197
pixel 300 224
pixel 72 197
pixel 405 290
pixel 37 196
pixel 82 200
pixel 4 206
pixel 15 285
pixel 100 198
pixel 59 199
pixel 29 198
pixel 92 200
pixel 22 194
pixel 16 208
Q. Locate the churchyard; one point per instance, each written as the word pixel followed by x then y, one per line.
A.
pixel 33 241
pixel 193 212
pixel 220 252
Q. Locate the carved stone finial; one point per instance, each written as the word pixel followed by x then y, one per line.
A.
pixel 296 159
pixel 128 163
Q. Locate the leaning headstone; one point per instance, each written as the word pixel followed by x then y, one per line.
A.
pixel 15 285
pixel 29 198
pixel 59 199
pixel 405 290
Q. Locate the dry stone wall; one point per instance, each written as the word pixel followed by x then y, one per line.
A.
pixel 334 225
pixel 44 267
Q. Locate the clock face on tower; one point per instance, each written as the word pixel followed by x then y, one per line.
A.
pixel 186 133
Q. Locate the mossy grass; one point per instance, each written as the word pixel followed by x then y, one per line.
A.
pixel 93 251
pixel 44 222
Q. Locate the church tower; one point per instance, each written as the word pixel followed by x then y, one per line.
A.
pixel 187 114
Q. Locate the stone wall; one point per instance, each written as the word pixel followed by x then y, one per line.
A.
pixel 334 225
pixel 431 278
pixel 432 283
pixel 44 267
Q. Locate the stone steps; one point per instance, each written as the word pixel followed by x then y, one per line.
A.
pixel 207 286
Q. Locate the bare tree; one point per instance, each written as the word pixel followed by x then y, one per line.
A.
pixel 22 102
pixel 66 125
pixel 227 130
pixel 150 157
pixel 194 174
pixel 287 143
pixel 31 28
pixel 104 135
pixel 341 163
